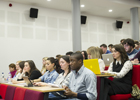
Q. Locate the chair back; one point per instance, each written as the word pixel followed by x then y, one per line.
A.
pixel 19 93
pixel 33 95
pixel 136 75
pixel 3 89
pixel 10 93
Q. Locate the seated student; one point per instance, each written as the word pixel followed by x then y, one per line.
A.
pixel 84 53
pixel 129 48
pixel 69 53
pixel 63 78
pixel 12 68
pixel 82 83
pixel 51 75
pixel 17 68
pixel 43 70
pixel 122 67
pixel 18 77
pixel 30 70
pixel 104 48
pixel 110 47
pixel 94 53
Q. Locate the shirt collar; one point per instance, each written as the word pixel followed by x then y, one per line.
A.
pixel 119 62
pixel 51 71
pixel 80 70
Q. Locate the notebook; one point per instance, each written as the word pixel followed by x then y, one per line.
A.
pixel 93 65
pixel 107 58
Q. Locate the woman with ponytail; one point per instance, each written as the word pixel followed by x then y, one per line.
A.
pixel 51 75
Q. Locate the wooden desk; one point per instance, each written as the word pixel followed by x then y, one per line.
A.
pixel 44 89
pixel 104 75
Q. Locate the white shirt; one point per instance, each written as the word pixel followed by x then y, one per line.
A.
pixel 62 81
pixel 17 76
pixel 101 65
pixel 125 69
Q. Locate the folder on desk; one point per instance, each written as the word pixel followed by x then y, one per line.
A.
pixel 93 65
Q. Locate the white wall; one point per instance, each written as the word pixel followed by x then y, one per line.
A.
pixel 25 38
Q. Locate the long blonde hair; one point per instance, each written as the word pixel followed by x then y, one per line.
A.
pixel 43 67
pixel 18 64
pixel 94 52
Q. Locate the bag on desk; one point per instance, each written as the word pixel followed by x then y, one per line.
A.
pixel 135 92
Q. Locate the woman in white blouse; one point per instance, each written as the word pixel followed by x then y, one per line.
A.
pixel 122 67
pixel 94 53
pixel 63 78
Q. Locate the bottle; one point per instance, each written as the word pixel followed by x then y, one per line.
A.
pixel 2 76
pixel 9 78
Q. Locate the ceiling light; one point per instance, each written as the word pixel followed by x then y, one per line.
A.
pixel 82 5
pixel 48 0
pixel 110 10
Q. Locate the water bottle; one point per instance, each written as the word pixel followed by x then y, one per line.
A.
pixel 2 76
pixel 9 78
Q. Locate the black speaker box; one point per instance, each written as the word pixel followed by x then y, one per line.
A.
pixel 83 19
pixel 33 12
pixel 119 24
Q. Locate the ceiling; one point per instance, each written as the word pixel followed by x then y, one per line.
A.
pixel 121 8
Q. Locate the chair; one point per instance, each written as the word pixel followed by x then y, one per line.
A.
pixel 19 93
pixel 135 80
pixel 3 89
pixel 10 93
pixel 33 95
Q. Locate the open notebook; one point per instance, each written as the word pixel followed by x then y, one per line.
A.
pixel 93 65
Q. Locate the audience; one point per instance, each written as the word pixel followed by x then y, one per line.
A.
pixel 18 77
pixel 69 53
pixel 62 79
pixel 29 70
pixel 129 48
pixel 94 53
pixel 110 47
pixel 68 72
pixel 12 68
pixel 84 53
pixel 43 70
pixel 51 75
pixel 104 48
pixel 82 83
pixel 122 67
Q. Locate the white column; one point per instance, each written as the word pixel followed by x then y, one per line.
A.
pixel 76 25
pixel 135 23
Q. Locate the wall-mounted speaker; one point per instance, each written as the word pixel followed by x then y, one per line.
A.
pixel 119 24
pixel 33 12
pixel 83 19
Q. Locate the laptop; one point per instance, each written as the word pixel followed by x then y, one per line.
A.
pixel 28 82
pixel 107 58
pixel 93 65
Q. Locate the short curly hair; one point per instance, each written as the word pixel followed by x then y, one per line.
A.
pixel 130 42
